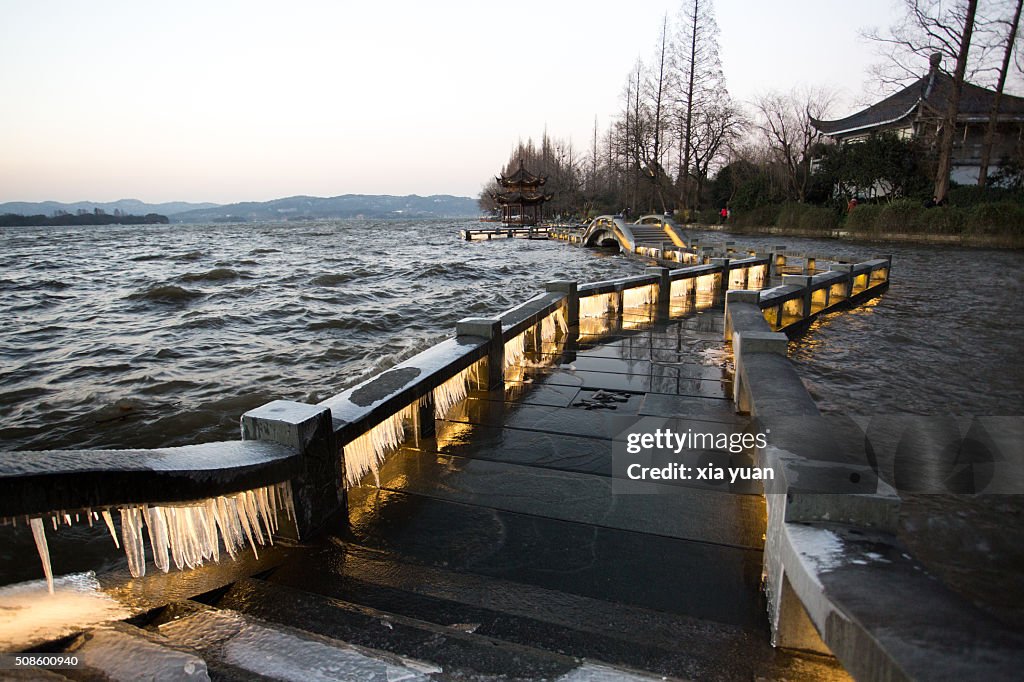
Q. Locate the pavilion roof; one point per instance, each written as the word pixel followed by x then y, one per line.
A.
pixel 525 198
pixel 933 91
pixel 521 178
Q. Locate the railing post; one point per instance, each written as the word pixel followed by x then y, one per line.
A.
pixel 805 282
pixel 318 491
pixel 664 290
pixel 724 286
pixel 490 329
pixel 737 296
pixel 572 303
pixel 778 261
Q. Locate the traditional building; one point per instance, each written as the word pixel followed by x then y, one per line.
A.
pixel 521 197
pixel 919 109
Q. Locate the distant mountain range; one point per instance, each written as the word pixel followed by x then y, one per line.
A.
pixel 291 208
pixel 129 206
pixel 345 206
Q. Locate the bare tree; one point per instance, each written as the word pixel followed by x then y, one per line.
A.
pixel 928 27
pixel 699 79
pixel 990 130
pixel 716 127
pixel 785 122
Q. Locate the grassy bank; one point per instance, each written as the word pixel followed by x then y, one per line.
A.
pixel 989 224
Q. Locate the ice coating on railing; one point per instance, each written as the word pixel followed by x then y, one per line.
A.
pixel 640 296
pixel 190 533
pixel 452 392
pixel 515 350
pixel 598 305
pixel 681 288
pixel 553 325
pixel 366 452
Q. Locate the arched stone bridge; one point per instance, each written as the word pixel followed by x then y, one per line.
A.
pixel 650 230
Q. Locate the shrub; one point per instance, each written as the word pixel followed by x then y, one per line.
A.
pixel 863 218
pixel 942 220
pixel 819 219
pixel 759 216
pixel 902 215
pixel 1005 217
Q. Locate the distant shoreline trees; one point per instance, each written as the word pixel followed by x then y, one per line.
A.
pixel 82 217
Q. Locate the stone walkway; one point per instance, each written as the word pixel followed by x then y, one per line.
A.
pixel 505 524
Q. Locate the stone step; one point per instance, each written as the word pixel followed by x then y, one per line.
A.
pixel 245 647
pixel 378 586
pixel 712 514
pixel 711 581
pixel 454 647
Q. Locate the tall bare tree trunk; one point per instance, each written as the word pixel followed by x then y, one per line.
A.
pixel 656 170
pixel 953 108
pixel 689 108
pixel 990 130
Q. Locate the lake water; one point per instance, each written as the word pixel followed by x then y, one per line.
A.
pixel 150 336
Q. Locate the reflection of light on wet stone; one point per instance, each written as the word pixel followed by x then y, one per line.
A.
pixel 280 653
pixel 597 672
pixel 121 656
pixel 28 613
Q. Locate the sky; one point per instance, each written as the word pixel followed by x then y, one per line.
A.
pixel 234 101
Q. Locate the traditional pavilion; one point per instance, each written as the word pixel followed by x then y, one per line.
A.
pixel 918 110
pixel 521 197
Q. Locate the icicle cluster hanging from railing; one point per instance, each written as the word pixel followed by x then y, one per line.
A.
pixel 367 452
pixel 452 392
pixel 598 305
pixel 682 288
pixel 190 533
pixel 553 325
pixel 640 296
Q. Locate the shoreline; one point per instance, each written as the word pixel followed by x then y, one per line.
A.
pixel 971 241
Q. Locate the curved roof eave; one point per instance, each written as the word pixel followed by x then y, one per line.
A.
pixel 867 126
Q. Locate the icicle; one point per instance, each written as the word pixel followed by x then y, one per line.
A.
pixel 110 526
pixel 131 532
pixel 597 305
pixel 39 534
pixel 640 296
pixel 365 453
pixel 452 392
pixel 243 518
pixel 158 540
pixel 260 498
pixel 682 288
pixel 515 350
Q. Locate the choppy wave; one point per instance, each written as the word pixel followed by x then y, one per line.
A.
pixel 187 348
pixel 215 275
pixel 166 293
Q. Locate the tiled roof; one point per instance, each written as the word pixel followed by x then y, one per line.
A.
pixel 975 104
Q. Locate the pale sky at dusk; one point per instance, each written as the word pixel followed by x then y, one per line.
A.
pixel 233 101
